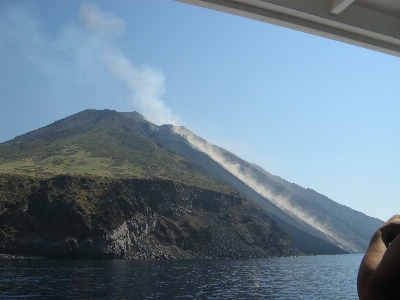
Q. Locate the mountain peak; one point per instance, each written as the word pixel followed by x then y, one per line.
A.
pixel 78 123
pixel 126 145
pixel 135 116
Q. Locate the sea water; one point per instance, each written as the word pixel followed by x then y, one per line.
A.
pixel 306 277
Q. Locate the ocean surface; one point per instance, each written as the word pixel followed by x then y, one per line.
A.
pixel 308 277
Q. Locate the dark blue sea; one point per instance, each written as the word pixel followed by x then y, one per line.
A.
pixel 308 277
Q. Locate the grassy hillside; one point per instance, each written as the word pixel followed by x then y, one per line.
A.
pixel 112 146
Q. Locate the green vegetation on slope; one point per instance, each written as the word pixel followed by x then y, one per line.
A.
pixel 112 148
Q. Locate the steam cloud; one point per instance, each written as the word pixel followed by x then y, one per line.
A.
pixel 247 177
pixel 147 85
pixel 83 61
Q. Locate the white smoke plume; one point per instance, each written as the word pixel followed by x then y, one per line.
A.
pixel 146 84
pixel 77 65
pixel 246 176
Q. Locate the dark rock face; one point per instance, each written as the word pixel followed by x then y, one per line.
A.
pixel 91 217
pixel 127 145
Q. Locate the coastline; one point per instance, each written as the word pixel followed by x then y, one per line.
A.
pixel 21 256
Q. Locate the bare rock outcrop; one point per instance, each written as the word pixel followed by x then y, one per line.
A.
pixel 91 217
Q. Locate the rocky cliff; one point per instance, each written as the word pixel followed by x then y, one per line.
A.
pixel 93 217
pixel 126 145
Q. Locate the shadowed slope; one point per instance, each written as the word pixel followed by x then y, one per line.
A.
pixel 90 217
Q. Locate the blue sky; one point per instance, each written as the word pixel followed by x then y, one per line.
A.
pixel 319 113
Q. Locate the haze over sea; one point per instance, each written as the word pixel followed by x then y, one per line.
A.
pixel 306 277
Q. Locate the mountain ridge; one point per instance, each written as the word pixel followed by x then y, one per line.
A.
pixel 319 226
